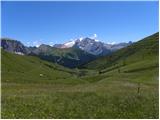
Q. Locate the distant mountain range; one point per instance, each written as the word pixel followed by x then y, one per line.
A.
pixel 70 54
pixel 93 46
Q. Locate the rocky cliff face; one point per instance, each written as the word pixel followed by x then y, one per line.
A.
pixel 92 46
pixel 13 46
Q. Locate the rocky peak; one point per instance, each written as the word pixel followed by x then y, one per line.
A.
pixel 13 46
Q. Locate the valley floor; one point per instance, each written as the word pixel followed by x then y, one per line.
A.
pixel 108 95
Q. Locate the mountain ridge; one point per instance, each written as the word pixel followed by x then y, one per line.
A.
pixel 68 57
pixel 137 51
pixel 93 46
pixel 78 53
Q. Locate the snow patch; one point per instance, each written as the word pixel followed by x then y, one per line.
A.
pixel 69 44
pixel 81 38
pixel 96 40
pixel 19 53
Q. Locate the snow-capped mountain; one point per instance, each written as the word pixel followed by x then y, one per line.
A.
pixel 92 46
pixel 65 45
pixel 68 44
pixel 78 52
pixel 89 45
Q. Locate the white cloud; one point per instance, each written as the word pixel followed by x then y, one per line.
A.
pixel 95 35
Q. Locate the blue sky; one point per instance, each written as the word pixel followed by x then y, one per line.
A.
pixel 58 22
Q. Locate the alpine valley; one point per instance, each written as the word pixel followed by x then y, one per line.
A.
pixel 71 54
pixel 84 78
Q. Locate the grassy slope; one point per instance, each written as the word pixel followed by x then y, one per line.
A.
pixel 131 92
pixel 26 69
pixel 146 48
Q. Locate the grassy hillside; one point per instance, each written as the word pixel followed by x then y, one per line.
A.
pixel 124 85
pixel 145 49
pixel 28 69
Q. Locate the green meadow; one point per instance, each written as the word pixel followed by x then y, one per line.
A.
pixel 122 85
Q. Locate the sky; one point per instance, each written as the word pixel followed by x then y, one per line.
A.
pixel 34 23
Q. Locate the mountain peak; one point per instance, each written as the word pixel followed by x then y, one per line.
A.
pixel 92 45
pixel 13 46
